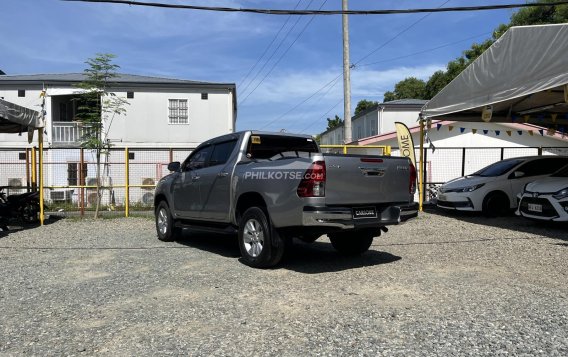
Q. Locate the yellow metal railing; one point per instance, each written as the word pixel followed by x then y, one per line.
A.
pixel 37 173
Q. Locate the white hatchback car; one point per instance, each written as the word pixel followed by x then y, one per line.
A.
pixel 493 190
pixel 546 199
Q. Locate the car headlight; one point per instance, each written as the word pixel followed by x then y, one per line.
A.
pixel 561 194
pixel 466 189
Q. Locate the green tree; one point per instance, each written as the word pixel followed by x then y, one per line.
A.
pixel 435 84
pixel 334 123
pixel 98 107
pixel 410 87
pixel 364 105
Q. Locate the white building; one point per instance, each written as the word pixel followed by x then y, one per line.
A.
pixel 164 120
pixel 161 112
pixel 377 120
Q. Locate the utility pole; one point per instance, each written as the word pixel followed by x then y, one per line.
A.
pixel 346 77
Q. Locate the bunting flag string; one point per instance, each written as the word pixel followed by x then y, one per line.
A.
pixel 563 130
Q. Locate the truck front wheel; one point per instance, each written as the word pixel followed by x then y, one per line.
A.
pixel 261 246
pixel 165 225
pixel 351 243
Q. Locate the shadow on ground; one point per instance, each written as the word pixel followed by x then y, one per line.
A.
pixel 555 230
pixel 17 226
pixel 309 258
pixel 320 257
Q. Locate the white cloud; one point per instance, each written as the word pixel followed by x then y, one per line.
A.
pixel 297 86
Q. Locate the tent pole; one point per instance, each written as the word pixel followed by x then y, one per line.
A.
pixel 40 140
pixel 422 166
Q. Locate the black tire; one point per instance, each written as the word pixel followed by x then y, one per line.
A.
pixel 165 224
pixel 352 243
pixel 30 212
pixel 261 246
pixel 495 204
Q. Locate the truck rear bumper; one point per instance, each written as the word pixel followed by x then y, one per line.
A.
pixel 343 217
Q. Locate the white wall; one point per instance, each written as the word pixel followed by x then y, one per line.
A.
pixel 333 137
pixel 389 117
pixel 146 120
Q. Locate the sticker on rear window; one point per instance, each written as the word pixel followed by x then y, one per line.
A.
pixel 255 139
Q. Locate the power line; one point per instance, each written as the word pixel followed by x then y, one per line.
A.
pixel 272 55
pixel 268 47
pixel 283 54
pixel 323 12
pixel 387 60
pixel 391 39
pixel 323 116
pixel 399 34
pixel 302 102
pixel 322 96
pixel 423 51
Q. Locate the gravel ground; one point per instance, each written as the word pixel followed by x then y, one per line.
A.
pixel 442 285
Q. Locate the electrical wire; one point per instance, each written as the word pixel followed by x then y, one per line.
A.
pixel 323 116
pixel 398 34
pixel 323 12
pixel 423 51
pixel 302 102
pixel 394 37
pixel 282 55
pixel 266 49
pixel 272 55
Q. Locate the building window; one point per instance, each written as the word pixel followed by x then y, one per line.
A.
pixel 129 95
pixel 21 92
pixel 177 111
pixel 73 174
pixel 204 96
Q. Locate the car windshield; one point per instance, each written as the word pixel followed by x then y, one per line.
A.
pixel 563 172
pixel 498 168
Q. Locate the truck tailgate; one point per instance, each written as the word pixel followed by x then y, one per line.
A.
pixel 361 179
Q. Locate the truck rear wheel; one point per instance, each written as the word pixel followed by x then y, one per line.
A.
pixel 352 243
pixel 261 246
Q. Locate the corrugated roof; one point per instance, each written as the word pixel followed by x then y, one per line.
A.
pixel 405 102
pixel 121 79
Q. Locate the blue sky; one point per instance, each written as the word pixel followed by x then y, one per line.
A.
pixel 51 36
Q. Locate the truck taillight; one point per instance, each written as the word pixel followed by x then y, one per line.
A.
pixel 412 183
pixel 313 181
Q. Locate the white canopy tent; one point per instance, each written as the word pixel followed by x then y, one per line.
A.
pixel 17 119
pixel 523 76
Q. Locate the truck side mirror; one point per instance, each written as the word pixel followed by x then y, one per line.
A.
pixel 174 166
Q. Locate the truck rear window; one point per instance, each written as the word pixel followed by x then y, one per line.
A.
pixel 274 147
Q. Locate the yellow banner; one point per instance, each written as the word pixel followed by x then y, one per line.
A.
pixel 405 143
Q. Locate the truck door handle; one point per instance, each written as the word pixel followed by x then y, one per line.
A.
pixel 195 178
pixel 223 174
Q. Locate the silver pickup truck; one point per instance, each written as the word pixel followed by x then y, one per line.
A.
pixel 272 187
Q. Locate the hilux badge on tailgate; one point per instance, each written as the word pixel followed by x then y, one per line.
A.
pixel 402 167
